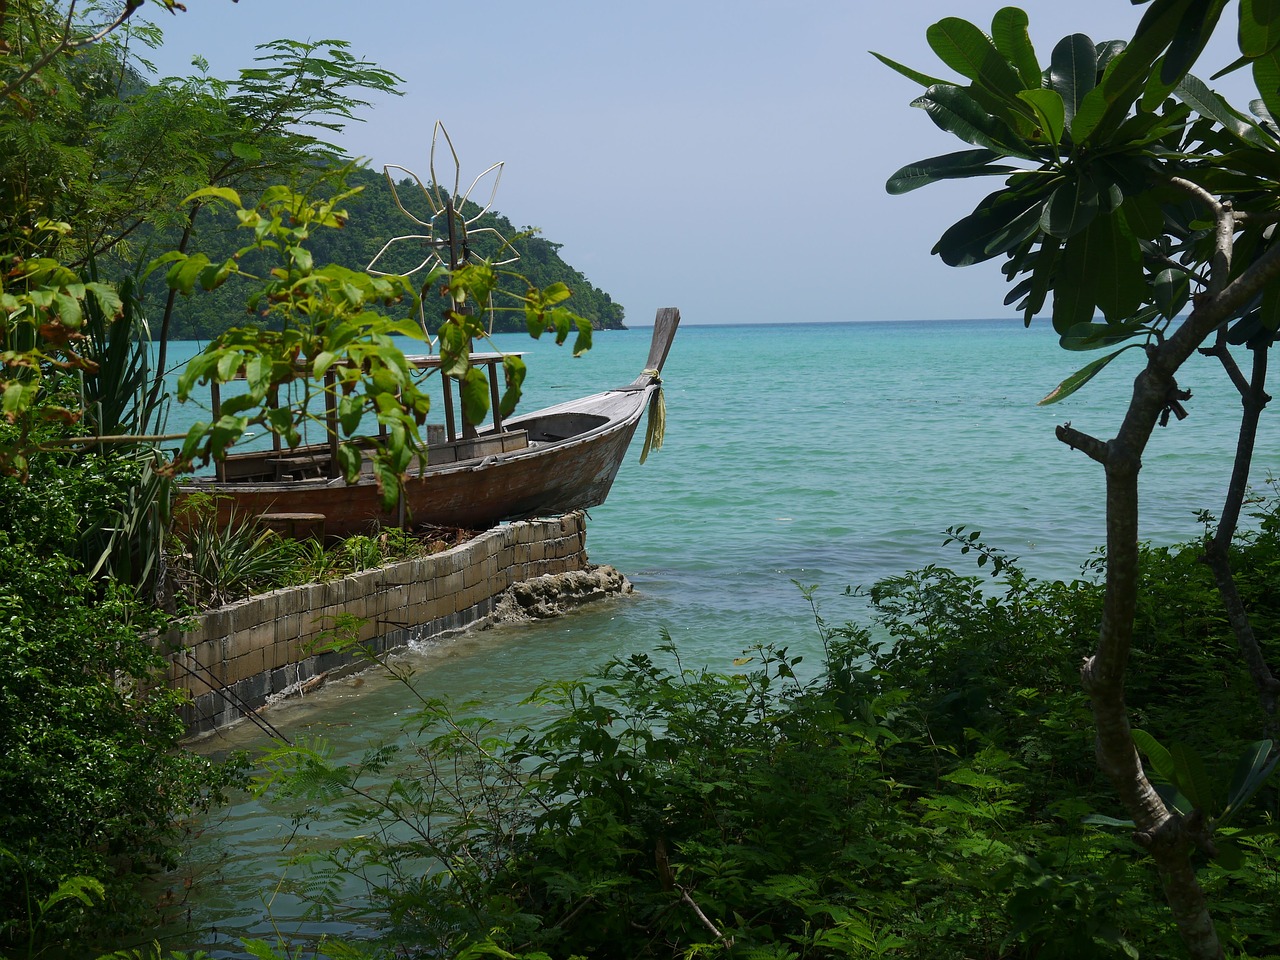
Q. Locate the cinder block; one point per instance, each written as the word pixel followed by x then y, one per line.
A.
pixel 245 666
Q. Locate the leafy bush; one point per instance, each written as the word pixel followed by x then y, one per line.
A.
pixel 924 795
pixel 91 781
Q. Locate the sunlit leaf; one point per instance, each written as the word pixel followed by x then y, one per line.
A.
pixel 513 371
pixel 955 110
pixel 970 52
pixel 1160 759
pixel 1266 74
pixel 246 151
pixel 215 193
pixel 1082 376
pixel 1050 112
pixel 1073 68
pixel 1009 32
pixel 1209 104
pixel 1172 290
pixel 474 389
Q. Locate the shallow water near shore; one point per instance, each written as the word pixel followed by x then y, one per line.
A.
pixel 827 454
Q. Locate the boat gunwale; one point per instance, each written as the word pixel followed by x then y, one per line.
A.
pixel 611 425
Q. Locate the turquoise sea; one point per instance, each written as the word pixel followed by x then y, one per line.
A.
pixel 827 454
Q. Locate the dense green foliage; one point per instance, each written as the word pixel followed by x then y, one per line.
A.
pixel 923 793
pixel 375 219
pixel 1131 189
pixel 91 781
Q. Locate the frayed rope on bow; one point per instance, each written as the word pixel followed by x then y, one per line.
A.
pixel 657 427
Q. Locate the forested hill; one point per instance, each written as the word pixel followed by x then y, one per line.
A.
pixel 375 219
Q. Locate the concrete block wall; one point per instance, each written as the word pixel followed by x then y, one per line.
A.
pixel 233 659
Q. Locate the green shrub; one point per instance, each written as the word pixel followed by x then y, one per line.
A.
pixel 925 795
pixel 92 783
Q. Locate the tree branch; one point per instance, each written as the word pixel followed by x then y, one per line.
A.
pixel 715 932
pixel 67 43
pixel 1076 440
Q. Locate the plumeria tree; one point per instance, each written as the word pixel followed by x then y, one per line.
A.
pixel 1138 207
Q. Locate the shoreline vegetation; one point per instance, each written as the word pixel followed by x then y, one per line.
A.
pixel 929 791
pixel 947 792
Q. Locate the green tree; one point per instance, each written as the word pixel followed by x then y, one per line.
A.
pixel 1133 190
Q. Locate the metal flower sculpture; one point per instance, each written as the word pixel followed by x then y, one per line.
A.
pixel 450 233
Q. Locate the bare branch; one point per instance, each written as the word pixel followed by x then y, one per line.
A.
pixel 1197 191
pixel 1076 440
pixel 715 932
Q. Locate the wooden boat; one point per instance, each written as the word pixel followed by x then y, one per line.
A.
pixel 546 463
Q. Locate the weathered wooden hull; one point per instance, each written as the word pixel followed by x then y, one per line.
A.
pixel 573 454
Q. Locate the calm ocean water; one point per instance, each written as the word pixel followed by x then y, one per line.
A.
pixel 829 454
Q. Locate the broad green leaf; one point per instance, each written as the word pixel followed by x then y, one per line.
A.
pixel 228 364
pixel 1160 759
pixel 1144 215
pixel 323 361
pixel 182 276
pixel 1193 780
pixel 1207 103
pixel 1266 74
pixel 1105 262
pixel 555 293
pixel 1172 290
pixel 1009 33
pixel 69 312
pixel 1071 208
pixel 257 371
pixel 246 151
pixel 349 462
pixel 1050 112
pixel 17 395
pixel 1073 70
pixel 1109 51
pixel 475 396
pixel 225 432
pixel 513 372
pixel 970 52
pixel 1000 222
pixel 219 193
pixel 921 78
pixel 280 419
pixel 582 342
pixel 1042 274
pixel 301 258
pixel 350 412
pixel 954 110
pixel 1257 36
pixel 1190 38
pixel 950 166
pixel 215 274
pixel 1094 336
pixel 1266 11
pixel 1252 771
pixel 108 300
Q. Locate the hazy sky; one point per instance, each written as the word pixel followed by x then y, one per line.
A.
pixel 728 158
